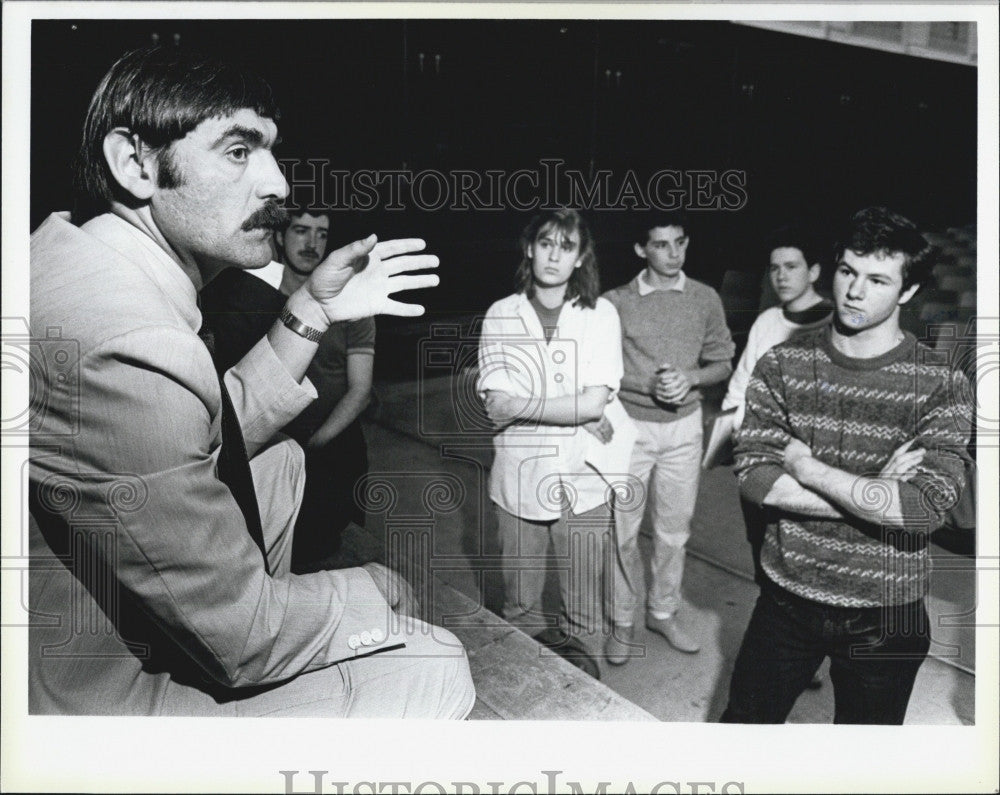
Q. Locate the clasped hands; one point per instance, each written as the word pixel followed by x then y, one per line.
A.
pixel 797 458
pixel 671 385
pixel 357 280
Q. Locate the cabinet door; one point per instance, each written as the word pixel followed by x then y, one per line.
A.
pixel 663 93
pixel 933 142
pixel 499 94
pixel 785 111
pixel 663 138
pixel 487 101
pixel 344 91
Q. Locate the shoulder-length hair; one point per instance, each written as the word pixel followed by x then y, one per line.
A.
pixel 584 285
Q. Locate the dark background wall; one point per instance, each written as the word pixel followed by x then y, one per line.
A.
pixel 819 129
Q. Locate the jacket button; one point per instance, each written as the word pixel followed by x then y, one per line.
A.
pixel 354 641
pixel 366 638
pixel 377 635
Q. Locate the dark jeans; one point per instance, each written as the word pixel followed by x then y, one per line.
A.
pixel 874 653
pixel 756 524
pixel 329 502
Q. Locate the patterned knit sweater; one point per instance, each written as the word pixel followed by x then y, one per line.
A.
pixel 853 413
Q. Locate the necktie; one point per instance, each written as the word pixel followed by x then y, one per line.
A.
pixel 234 465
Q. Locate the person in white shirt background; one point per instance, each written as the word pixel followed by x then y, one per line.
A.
pixel 793 270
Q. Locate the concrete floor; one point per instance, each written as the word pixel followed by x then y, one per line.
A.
pixel 430 464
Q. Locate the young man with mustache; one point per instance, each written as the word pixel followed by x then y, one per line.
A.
pixel 160 553
pixel 241 308
pixel 328 430
pixel 845 557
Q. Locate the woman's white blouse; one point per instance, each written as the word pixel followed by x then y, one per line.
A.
pixel 537 466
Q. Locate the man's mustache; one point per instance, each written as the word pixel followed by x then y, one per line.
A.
pixel 270 216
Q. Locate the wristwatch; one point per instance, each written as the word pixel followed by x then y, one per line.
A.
pixel 292 323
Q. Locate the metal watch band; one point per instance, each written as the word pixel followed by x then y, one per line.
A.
pixel 292 323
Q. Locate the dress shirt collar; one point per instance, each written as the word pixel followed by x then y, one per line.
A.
pixel 645 288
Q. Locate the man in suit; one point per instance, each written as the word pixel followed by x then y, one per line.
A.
pixel 160 558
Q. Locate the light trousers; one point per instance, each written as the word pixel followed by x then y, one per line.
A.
pixel 666 459
pixel 429 678
pixel 581 544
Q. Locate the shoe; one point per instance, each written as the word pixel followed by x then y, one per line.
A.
pixel 617 648
pixel 676 637
pixel 570 649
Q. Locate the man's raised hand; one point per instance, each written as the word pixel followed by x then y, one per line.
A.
pixel 356 281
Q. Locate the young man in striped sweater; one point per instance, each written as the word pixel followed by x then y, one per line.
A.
pixel 845 551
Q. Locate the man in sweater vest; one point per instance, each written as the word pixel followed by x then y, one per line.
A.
pixel 845 551
pixel 674 341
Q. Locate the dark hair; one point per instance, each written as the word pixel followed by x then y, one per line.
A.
pixel 791 236
pixel 160 94
pixel 879 230
pixel 585 283
pixel 296 210
pixel 654 219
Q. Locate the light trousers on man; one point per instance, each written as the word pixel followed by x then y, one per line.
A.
pixel 428 678
pixel 666 459
pixel 580 543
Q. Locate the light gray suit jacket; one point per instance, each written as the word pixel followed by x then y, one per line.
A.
pixel 143 577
